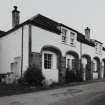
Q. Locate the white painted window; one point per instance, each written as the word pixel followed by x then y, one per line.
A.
pixel 47 61
pixel 98 48
pixel 94 69
pixel 70 62
pixel 95 66
pixel 72 38
pixel 64 35
pixel 16 66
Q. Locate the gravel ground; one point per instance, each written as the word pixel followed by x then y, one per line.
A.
pixel 87 99
pixel 88 94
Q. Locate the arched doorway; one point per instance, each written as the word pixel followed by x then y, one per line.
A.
pixel 96 68
pixel 86 65
pixel 51 62
pixel 103 68
pixel 72 65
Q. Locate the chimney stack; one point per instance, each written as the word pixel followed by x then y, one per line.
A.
pixel 15 17
pixel 87 33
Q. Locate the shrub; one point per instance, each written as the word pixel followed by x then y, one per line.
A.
pixel 69 76
pixel 73 75
pixel 33 76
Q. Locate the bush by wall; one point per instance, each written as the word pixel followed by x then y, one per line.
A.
pixel 73 75
pixel 70 76
pixel 33 76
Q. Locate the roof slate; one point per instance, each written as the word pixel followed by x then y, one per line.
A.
pixel 50 25
pixel 2 33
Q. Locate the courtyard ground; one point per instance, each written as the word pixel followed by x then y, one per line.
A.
pixel 88 94
pixel 14 89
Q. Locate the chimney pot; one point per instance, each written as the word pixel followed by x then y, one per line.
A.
pixel 15 17
pixel 15 7
pixel 87 33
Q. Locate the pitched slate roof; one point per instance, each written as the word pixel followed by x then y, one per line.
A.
pixel 45 23
pixel 81 38
pixel 2 33
pixel 50 25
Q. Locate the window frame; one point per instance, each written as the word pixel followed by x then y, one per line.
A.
pixel 98 48
pixel 70 63
pixel 72 38
pixel 64 35
pixel 48 61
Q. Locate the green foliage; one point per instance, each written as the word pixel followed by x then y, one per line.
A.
pixel 33 76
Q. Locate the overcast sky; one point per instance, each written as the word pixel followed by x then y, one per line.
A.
pixel 76 14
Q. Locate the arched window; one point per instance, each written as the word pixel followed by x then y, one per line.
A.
pixel 70 62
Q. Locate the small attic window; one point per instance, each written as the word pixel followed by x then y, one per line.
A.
pixel 64 35
pixel 72 38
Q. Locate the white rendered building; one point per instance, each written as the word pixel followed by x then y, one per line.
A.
pixel 52 47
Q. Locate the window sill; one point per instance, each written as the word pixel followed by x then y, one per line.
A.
pixel 68 44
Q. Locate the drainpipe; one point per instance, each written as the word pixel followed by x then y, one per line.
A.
pixel 81 59
pixel 30 44
pixel 22 52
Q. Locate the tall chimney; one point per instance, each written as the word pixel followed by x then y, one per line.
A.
pixel 87 33
pixel 15 17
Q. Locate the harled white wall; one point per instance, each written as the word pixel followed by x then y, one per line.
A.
pixel 41 37
pixel 10 48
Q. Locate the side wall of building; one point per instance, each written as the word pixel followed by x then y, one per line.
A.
pixel 42 38
pixel 11 51
pixel 43 42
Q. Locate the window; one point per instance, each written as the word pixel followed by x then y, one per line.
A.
pixel 70 64
pixel 98 48
pixel 73 63
pixel 47 61
pixel 64 33
pixel 72 38
pixel 95 66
